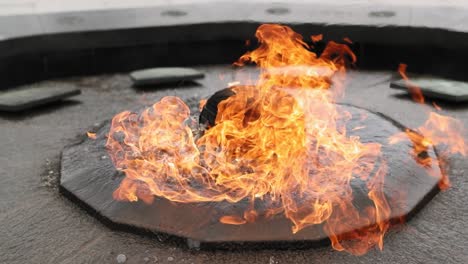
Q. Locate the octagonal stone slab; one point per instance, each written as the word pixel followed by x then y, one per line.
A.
pixel 88 175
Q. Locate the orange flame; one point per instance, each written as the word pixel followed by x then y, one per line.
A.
pixel 414 90
pixel 348 40
pixel 317 38
pixel 439 130
pixel 202 104
pixel 280 141
pixel 443 131
pixel 232 220
pixel 91 135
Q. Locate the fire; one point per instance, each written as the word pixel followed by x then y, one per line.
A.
pixel 91 135
pixel 316 38
pixel 414 90
pixel 282 140
pixel 202 104
pixel 439 130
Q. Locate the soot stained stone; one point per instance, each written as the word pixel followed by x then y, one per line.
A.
pixel 88 178
pixel 27 97
pixel 157 76
pixel 437 88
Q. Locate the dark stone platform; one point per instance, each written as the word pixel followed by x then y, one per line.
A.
pixel 88 175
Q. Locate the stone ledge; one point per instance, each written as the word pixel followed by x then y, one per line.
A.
pixel 40 17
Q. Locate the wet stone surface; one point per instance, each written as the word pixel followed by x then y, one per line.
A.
pixel 39 225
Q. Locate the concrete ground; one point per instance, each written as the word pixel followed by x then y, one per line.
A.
pixel 39 225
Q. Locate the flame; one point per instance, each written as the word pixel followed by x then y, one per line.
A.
pixel 443 131
pixel 439 130
pixel 317 38
pixel 348 40
pixel 414 90
pixel 283 141
pixel 91 135
pixel 202 104
pixel 232 220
